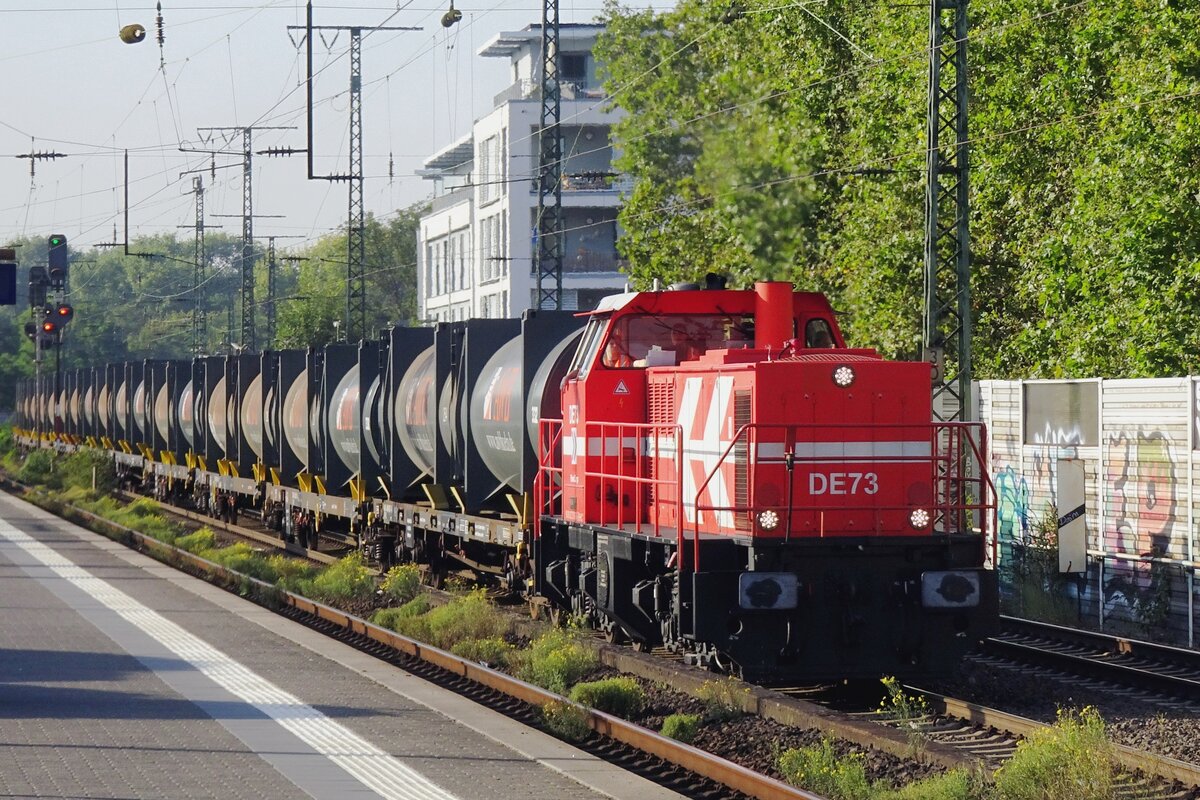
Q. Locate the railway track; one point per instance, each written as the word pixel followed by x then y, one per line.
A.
pixel 1173 673
pixel 958 733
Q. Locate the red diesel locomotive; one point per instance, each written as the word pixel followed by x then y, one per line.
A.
pixel 731 481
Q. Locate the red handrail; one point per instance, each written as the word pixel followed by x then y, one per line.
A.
pixel 957 494
pixel 636 447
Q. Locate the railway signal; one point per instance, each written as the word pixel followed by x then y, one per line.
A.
pixel 57 260
pixel 64 313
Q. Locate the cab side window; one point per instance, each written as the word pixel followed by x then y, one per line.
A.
pixel 817 334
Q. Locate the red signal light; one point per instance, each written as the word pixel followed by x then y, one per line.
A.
pixel 65 313
pixel 49 326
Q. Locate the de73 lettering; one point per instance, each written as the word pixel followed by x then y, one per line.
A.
pixel 843 483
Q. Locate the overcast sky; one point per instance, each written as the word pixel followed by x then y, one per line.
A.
pixel 69 85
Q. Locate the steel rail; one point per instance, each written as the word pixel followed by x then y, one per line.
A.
pixel 1169 666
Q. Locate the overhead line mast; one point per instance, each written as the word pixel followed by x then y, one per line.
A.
pixel 356 291
pixel 246 261
pixel 549 202
pixel 947 328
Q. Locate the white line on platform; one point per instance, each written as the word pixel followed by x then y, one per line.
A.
pixel 377 770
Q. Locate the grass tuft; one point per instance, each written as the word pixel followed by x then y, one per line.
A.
pixel 819 769
pixel 492 652
pixel 724 700
pixel 402 583
pixel 566 720
pixel 199 542
pixel 1071 760
pixel 555 660
pixel 681 727
pixel 346 579
pixel 622 696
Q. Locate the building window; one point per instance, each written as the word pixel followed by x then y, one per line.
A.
pixel 573 67
pixel 463 281
pixel 491 168
pixel 485 251
pixel 503 236
pixel 428 270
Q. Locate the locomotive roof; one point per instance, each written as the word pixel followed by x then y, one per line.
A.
pixel 700 301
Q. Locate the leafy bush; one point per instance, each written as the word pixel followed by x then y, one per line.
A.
pixel 7 443
pixel 555 660
pixel 567 720
pixel 197 542
pixel 819 769
pixel 622 696
pixel 402 582
pixel 907 711
pixel 724 699
pixel 76 470
pixel 289 571
pixel 468 616
pixel 38 468
pixel 1072 760
pixel 243 558
pixel 491 652
pixel 681 727
pixel 347 578
pixel 956 784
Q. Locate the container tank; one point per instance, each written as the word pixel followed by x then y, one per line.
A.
pixel 186 412
pixel 414 412
pixel 509 402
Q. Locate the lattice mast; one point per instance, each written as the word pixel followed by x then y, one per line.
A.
pixel 200 267
pixel 548 258
pixel 947 330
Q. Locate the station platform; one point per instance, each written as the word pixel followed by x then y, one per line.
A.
pixel 123 678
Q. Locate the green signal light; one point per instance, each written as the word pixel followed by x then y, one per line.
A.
pixel 55 241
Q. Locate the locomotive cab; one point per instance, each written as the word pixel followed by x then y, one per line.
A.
pixel 607 400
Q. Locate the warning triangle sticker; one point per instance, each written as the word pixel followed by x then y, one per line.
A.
pixel 621 388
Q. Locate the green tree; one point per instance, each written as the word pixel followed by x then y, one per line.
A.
pixel 786 141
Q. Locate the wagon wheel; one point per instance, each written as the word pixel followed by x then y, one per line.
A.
pixel 613 634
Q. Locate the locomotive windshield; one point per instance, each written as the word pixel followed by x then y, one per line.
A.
pixel 589 344
pixel 663 341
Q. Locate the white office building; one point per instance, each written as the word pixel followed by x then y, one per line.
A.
pixel 477 243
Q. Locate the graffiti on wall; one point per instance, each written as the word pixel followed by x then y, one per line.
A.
pixel 1142 495
pixel 1140 473
pixel 1012 506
